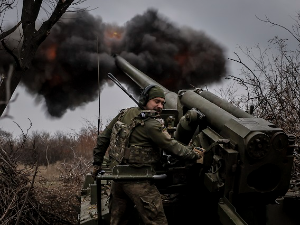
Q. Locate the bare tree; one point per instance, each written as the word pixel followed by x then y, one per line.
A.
pixel 6 5
pixel 272 83
pixel 31 37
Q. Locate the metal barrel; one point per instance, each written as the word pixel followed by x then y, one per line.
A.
pixel 142 80
pixel 216 116
pixel 237 112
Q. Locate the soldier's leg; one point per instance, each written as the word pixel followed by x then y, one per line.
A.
pixel 148 202
pixel 121 206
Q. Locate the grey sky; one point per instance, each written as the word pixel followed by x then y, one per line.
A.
pixel 231 23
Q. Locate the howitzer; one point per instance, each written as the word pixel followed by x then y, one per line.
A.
pixel 247 164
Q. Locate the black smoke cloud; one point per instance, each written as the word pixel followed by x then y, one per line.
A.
pixel 65 69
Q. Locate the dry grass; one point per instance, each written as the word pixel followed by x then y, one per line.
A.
pixel 50 173
pixel 59 186
pixel 32 193
pixel 54 197
pixel 60 200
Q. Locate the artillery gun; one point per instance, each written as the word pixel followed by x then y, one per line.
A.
pixel 246 168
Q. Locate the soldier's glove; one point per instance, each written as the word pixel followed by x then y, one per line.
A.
pixel 96 170
pixel 200 154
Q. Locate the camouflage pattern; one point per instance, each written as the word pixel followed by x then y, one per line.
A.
pixel 143 155
pixel 150 133
pixel 119 142
pixel 119 138
pixel 144 196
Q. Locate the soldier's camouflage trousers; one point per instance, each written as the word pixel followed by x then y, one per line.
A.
pixel 142 195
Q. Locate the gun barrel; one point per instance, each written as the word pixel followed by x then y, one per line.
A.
pixel 215 115
pixel 237 112
pixel 142 80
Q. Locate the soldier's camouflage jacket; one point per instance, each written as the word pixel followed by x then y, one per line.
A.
pixel 146 138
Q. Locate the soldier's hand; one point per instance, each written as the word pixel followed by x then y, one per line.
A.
pixel 96 170
pixel 200 153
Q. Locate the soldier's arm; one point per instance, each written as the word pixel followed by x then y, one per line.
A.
pixel 103 141
pixel 163 140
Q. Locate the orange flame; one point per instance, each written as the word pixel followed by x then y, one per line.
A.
pixel 113 34
pixel 51 52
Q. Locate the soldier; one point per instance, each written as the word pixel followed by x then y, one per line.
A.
pixel 135 137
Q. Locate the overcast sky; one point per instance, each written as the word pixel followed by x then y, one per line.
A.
pixel 230 23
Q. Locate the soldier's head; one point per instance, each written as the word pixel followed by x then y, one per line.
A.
pixel 153 98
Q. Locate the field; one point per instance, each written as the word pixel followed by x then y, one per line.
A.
pixel 41 176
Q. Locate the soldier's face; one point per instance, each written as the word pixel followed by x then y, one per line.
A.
pixel 156 104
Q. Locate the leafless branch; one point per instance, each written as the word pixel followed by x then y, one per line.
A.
pixel 8 80
pixel 9 51
pixel 267 20
pixel 6 5
pixel 27 194
pixel 10 31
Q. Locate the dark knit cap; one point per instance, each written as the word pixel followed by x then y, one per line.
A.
pixel 156 92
